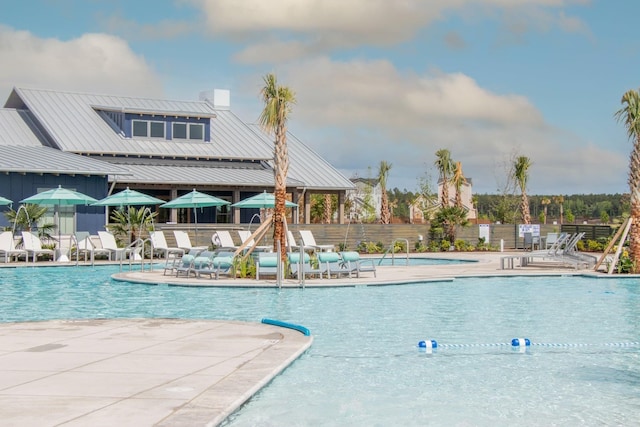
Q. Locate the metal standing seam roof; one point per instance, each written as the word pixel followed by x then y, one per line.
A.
pixel 40 159
pixel 18 128
pixel 306 166
pixel 188 175
pixel 74 124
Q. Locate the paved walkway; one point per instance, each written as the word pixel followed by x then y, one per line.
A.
pixel 162 372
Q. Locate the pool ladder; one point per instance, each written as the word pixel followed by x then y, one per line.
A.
pixel 393 252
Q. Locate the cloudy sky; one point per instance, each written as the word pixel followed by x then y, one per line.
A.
pixel 374 79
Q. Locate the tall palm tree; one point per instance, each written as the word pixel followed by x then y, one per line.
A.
pixel 545 203
pixel 458 181
pixel 445 167
pixel 383 174
pixel 273 119
pixel 521 174
pixel 559 200
pixel 629 114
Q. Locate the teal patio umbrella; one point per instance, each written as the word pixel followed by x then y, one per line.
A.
pixel 128 198
pixel 262 201
pixel 4 201
pixel 60 197
pixel 195 200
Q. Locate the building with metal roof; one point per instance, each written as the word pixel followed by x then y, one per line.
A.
pixel 164 148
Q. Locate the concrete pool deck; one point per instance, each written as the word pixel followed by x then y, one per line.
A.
pixel 173 372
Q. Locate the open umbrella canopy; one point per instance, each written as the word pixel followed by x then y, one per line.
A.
pixel 4 201
pixel 128 197
pixel 262 201
pixel 59 196
pixel 195 199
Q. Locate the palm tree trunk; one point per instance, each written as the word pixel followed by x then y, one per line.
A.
pixel 524 208
pixel 327 209
pixel 634 185
pixel 385 215
pixel 280 170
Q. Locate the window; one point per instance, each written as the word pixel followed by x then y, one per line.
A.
pixel 144 128
pixel 188 131
pixel 140 128
pixel 156 129
pixel 196 131
pixel 179 131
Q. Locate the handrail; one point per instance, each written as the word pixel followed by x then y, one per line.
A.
pixel 393 252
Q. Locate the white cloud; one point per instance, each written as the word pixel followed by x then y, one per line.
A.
pixel 357 113
pixel 92 63
pixel 275 29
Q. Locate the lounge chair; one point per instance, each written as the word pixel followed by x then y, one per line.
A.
pixel 293 246
pixel 83 244
pixel 184 242
pixel 267 264
pixel 331 264
pixel 159 244
pixel 550 239
pixel 187 265
pixel 108 242
pixel 245 237
pixel 354 264
pixel 222 240
pixel 8 247
pixel 33 246
pixel 562 251
pixel 214 264
pixel 310 241
pixel 296 266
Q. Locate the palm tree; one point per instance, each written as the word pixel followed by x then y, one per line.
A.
pixel 521 174
pixel 629 114
pixel 383 174
pixel 545 203
pixel 273 119
pixel 559 200
pixel 458 181
pixel 445 167
pixel 129 224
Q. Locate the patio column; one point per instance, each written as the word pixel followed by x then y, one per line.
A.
pixel 173 213
pixel 307 208
pixel 341 200
pixel 235 213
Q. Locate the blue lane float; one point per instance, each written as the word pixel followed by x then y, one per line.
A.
pixel 293 326
pixel 520 342
pixel 428 344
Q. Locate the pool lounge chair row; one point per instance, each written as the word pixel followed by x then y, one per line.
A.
pixel 330 264
pixel 563 251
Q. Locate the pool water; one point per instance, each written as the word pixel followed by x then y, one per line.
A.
pixel 364 367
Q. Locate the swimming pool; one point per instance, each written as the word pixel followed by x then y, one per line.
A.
pixel 364 367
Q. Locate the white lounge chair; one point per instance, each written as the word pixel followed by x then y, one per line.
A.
pixel 222 240
pixel 84 245
pixel 159 244
pixel 183 241
pixel 310 241
pixel 8 247
pixel 108 242
pixel 33 246
pixel 293 245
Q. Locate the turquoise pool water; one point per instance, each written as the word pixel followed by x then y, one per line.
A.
pixel 364 368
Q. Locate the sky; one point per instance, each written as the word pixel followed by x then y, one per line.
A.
pixel 374 80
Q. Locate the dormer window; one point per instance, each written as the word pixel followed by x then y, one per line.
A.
pixel 192 131
pixel 146 128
